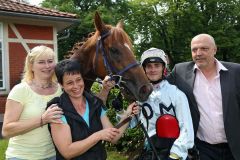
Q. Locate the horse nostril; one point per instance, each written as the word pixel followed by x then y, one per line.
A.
pixel 145 91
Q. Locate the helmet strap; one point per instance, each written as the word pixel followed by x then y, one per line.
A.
pixel 156 82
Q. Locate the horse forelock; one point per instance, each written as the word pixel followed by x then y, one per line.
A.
pixel 119 35
pixel 88 46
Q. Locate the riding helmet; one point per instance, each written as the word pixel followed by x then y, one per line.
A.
pixel 153 55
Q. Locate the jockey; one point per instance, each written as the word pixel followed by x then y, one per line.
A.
pixel 172 142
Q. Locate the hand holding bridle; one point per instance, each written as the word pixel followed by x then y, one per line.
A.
pixel 107 83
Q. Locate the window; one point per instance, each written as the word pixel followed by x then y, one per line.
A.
pixel 2 85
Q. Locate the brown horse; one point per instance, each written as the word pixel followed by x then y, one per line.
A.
pixel 109 52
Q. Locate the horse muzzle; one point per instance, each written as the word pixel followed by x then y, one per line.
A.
pixel 144 92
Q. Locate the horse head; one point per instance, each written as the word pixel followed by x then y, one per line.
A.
pixel 109 52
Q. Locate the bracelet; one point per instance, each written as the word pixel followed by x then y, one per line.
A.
pixel 41 122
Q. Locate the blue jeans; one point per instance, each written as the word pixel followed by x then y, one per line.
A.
pixel 14 158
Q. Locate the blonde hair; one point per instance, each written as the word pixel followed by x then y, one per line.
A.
pixel 36 52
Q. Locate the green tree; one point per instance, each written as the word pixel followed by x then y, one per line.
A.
pixel 170 25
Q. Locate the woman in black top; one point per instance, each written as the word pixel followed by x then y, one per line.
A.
pixel 84 123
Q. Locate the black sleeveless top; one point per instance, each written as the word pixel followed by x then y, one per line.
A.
pixel 79 128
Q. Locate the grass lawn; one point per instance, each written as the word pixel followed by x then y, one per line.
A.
pixel 111 154
pixel 3 146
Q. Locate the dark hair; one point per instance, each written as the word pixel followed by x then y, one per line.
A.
pixel 67 66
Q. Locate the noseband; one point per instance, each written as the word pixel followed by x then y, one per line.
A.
pixel 110 69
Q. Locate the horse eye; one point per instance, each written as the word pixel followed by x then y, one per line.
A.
pixel 114 51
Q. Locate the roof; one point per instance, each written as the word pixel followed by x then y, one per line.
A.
pixel 14 8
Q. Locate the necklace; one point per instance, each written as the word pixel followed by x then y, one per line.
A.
pixel 43 86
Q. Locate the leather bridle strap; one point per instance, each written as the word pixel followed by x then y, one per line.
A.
pixel 110 69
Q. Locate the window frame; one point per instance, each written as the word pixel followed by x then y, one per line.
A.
pixel 5 77
pixel 3 87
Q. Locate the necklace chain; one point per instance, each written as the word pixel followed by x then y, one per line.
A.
pixel 43 86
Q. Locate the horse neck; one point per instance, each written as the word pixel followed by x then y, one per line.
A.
pixel 89 79
pixel 85 56
pixel 90 74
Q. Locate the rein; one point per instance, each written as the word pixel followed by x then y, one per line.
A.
pixel 112 72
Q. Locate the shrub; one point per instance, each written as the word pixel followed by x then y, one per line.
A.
pixel 132 140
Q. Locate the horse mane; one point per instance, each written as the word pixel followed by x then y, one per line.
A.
pixel 77 46
pixel 117 34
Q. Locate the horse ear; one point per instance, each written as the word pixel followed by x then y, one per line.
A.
pixel 120 24
pixel 99 25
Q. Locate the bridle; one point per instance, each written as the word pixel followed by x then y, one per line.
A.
pixel 112 72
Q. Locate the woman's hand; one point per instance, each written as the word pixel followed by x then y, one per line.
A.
pixel 52 115
pixel 133 108
pixel 108 134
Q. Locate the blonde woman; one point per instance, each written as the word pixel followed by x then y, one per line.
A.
pixel 25 116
